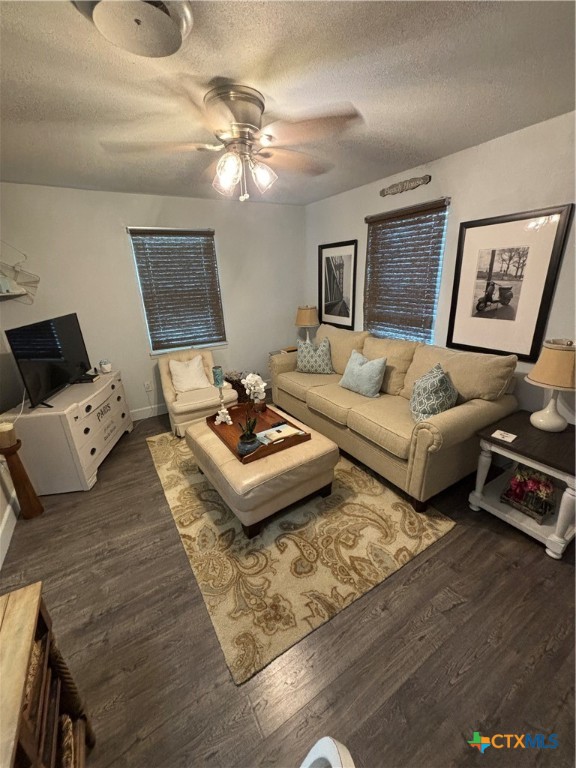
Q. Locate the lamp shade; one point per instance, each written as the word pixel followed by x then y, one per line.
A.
pixel 263 175
pixel 555 367
pixel 307 317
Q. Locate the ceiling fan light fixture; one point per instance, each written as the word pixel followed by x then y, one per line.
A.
pixel 262 175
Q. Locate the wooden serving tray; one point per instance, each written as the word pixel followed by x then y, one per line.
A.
pixel 230 433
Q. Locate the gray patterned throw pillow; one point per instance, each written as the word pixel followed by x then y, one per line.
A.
pixel 432 393
pixel 311 359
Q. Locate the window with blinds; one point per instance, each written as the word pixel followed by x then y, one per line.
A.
pixel 178 276
pixel 403 267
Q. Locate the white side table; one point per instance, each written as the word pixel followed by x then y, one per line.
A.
pixel 548 452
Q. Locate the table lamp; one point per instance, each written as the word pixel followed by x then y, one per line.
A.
pixel 307 317
pixel 554 370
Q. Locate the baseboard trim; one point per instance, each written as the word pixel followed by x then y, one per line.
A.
pixel 151 410
pixel 7 525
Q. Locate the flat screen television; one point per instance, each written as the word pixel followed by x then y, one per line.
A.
pixel 50 355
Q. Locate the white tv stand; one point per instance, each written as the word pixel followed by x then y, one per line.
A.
pixel 63 446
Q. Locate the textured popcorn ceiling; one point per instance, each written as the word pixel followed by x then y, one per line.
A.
pixel 429 78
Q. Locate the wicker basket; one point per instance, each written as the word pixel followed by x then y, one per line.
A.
pixel 521 493
pixel 235 380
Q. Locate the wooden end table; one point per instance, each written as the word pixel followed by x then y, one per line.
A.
pixel 30 504
pixel 548 452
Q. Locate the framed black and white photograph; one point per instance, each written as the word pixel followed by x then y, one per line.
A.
pixel 337 283
pixel 506 270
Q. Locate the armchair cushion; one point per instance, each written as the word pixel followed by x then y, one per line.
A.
pixel 199 399
pixel 188 374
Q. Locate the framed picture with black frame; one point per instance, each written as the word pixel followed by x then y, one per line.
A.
pixel 337 283
pixel 506 271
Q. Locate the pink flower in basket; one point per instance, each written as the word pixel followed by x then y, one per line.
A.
pixel 516 488
pixel 532 485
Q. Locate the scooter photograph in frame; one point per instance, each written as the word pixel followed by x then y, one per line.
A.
pixel 504 280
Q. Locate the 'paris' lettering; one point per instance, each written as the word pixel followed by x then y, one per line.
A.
pixel 103 411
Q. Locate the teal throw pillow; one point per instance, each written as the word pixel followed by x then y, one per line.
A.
pixel 362 375
pixel 311 359
pixel 432 393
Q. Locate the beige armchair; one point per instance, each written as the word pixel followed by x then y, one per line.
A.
pixel 184 408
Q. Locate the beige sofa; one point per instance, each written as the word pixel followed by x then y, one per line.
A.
pixel 420 458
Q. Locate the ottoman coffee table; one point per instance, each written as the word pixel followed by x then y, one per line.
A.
pixel 256 490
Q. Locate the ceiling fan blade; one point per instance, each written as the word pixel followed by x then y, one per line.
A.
pixel 282 132
pixel 159 146
pixel 291 160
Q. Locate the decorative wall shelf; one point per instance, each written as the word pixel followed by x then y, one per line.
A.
pixel 13 295
pixel 15 278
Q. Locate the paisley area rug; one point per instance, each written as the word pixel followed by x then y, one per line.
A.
pixel 309 563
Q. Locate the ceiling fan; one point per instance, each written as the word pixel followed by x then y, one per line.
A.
pixel 234 113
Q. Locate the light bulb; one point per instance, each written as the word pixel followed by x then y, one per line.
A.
pixel 226 191
pixel 228 172
pixel 263 175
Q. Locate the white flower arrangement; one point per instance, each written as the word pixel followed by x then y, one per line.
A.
pixel 255 387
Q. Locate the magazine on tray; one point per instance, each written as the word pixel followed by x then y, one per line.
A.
pixel 275 434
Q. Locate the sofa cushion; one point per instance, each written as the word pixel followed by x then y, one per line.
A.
pixel 432 393
pixel 342 343
pixel 313 359
pixel 474 374
pixel 362 375
pixel 297 384
pixel 398 354
pixel 387 422
pixel 333 401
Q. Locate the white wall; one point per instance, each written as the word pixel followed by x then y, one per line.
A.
pixel 76 241
pixel 267 254
pixel 529 169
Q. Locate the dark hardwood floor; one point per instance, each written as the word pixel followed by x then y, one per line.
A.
pixel 475 634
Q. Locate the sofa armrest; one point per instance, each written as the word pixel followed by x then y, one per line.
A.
pixel 459 423
pixel 282 363
pixel 452 432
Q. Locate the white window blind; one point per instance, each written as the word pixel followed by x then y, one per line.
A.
pixel 403 267
pixel 178 276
